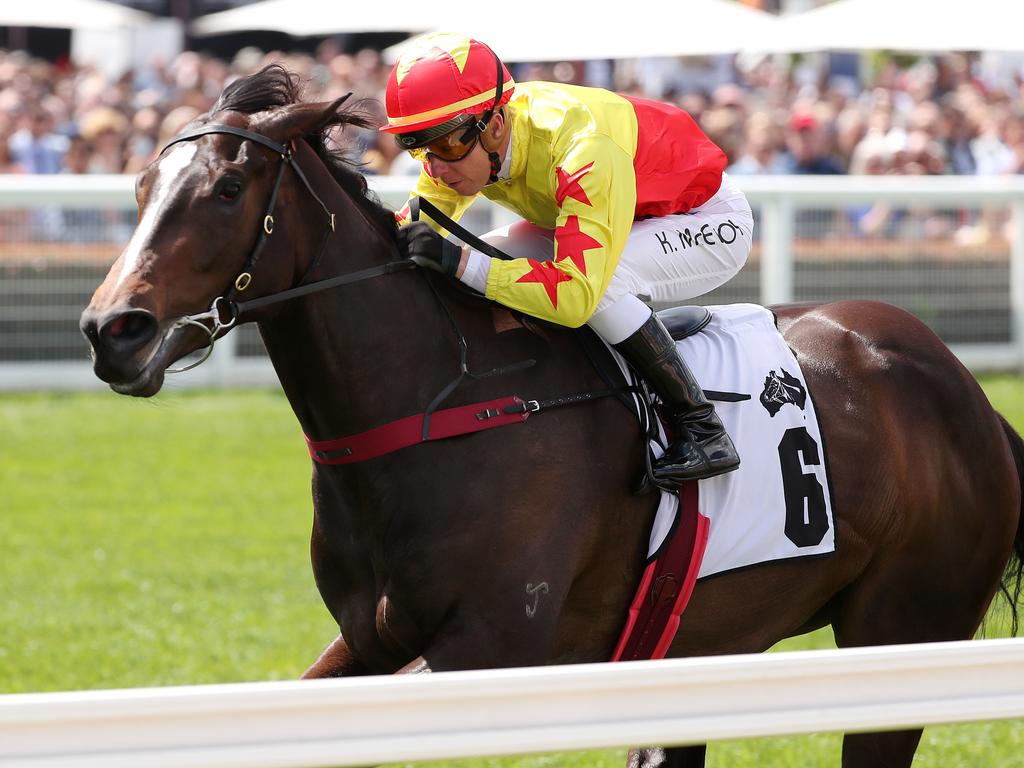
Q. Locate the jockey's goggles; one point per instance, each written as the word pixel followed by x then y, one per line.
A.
pixel 451 147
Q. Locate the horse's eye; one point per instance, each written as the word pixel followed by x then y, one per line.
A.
pixel 229 190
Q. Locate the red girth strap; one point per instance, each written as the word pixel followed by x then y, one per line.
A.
pixel 449 422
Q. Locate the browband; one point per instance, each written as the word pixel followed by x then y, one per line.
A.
pixel 202 130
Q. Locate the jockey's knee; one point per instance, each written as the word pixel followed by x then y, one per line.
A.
pixel 523 240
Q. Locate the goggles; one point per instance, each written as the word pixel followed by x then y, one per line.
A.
pixel 451 148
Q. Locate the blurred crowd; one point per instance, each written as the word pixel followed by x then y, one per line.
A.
pixel 932 115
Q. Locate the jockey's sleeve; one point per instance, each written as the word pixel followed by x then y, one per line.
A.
pixel 593 188
pixel 448 201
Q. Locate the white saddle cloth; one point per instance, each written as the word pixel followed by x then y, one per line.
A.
pixel 778 503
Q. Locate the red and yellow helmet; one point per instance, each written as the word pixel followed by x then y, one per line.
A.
pixel 444 80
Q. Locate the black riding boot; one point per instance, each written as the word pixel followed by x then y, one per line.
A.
pixel 701 447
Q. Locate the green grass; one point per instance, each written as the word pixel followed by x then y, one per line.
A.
pixel 165 542
pixel 154 542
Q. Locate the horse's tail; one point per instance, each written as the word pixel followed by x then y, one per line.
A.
pixel 1014 576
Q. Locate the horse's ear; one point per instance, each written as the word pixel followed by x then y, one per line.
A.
pixel 284 124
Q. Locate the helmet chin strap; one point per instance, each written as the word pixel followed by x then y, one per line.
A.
pixel 495 167
pixel 492 155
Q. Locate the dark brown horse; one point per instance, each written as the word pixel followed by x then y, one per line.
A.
pixel 426 557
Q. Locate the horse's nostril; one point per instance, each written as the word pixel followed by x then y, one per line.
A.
pixel 127 332
pixel 125 324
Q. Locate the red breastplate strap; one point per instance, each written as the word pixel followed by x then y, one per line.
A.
pixel 462 420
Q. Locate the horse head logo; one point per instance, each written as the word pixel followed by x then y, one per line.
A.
pixel 780 389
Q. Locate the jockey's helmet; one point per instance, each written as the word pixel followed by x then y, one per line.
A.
pixel 442 82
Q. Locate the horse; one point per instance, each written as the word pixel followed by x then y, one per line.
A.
pixel 425 556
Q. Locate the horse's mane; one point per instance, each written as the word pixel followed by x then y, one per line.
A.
pixel 274 86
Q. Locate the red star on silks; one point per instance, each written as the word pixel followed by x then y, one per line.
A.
pixel 572 243
pixel 548 275
pixel 569 185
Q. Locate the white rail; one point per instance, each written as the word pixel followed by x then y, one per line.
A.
pixel 92 191
pixel 97 191
pixel 365 721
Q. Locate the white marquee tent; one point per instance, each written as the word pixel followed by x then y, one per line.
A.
pixel 530 30
pixel 902 25
pixel 301 18
pixel 70 14
pixel 547 31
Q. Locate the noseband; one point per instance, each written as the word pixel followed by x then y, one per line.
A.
pixel 225 305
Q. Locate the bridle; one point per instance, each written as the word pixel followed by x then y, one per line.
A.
pixel 235 309
pixel 225 305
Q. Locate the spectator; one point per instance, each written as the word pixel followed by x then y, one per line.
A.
pixel 694 103
pixel 872 157
pixel 990 153
pixel 36 148
pixel 81 224
pixel 923 155
pixel 805 140
pixel 175 121
pixel 141 145
pixel 78 156
pixel 850 129
pixel 1014 137
pixel 763 148
pixel 807 154
pixel 724 126
pixel 957 132
pixel 8 164
pixel 104 128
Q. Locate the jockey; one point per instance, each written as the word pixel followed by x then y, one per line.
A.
pixel 630 192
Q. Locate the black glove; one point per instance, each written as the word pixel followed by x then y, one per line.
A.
pixel 428 249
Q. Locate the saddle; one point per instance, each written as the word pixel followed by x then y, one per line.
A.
pixel 682 322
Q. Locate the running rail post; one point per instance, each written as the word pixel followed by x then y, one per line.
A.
pixel 776 250
pixel 1017 281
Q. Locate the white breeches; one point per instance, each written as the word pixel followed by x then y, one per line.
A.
pixel 668 259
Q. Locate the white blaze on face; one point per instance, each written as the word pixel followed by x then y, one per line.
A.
pixel 169 170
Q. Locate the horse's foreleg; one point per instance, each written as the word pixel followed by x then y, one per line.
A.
pixel 336 660
pixel 880 750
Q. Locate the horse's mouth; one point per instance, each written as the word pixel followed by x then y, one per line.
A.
pixel 148 379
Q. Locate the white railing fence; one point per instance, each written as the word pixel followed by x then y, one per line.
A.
pixel 367 721
pixel 949 249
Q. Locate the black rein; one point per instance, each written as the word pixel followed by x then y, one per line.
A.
pixel 236 309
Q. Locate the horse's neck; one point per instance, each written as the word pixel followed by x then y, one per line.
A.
pixel 360 355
